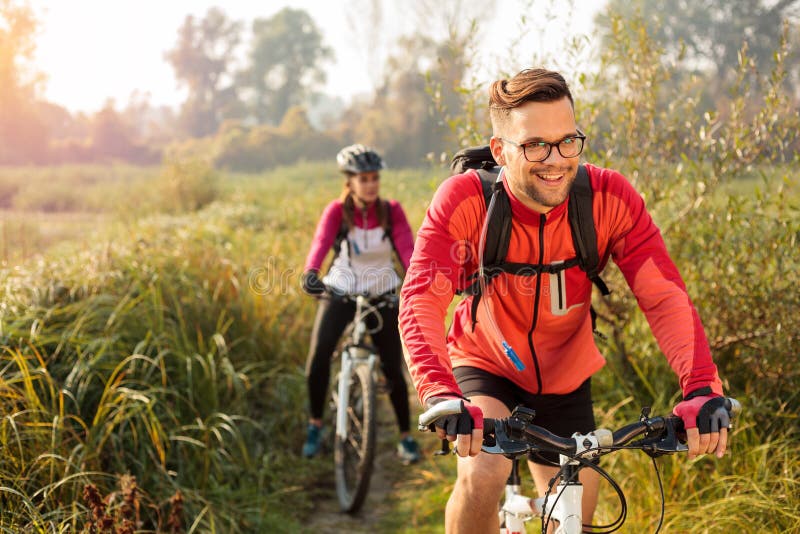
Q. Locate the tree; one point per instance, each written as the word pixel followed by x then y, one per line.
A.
pixel 23 138
pixel 366 25
pixel 286 58
pixel 427 77
pixel 202 60
pixel 707 35
pixel 110 136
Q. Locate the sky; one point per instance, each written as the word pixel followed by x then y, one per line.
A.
pixel 93 50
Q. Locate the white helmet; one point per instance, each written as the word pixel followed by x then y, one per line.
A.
pixel 358 158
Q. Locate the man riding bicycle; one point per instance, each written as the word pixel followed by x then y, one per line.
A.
pixel 545 318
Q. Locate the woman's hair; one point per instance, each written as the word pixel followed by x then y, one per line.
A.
pixel 349 205
pixel 530 85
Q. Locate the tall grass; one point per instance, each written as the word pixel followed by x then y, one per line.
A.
pixel 172 352
pixel 40 207
pixel 76 188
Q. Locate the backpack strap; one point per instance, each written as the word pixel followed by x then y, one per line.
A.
pixel 341 236
pixel 498 234
pixel 387 230
pixel 584 235
pixel 517 269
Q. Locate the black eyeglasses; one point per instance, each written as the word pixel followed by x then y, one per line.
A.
pixel 536 151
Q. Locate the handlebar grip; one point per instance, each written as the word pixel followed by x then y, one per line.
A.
pixel 488 426
pixel 440 409
pixel 733 406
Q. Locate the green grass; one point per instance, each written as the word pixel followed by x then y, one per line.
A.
pixel 168 342
pixel 171 350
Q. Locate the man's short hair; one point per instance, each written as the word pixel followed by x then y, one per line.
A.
pixel 529 85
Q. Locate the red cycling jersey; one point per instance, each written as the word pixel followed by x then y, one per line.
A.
pixel 544 318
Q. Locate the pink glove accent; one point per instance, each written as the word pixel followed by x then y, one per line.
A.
pixel 476 414
pixel 689 409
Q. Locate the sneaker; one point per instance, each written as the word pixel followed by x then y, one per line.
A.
pixel 408 450
pixel 313 441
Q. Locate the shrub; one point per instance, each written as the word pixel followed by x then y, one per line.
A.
pixel 187 185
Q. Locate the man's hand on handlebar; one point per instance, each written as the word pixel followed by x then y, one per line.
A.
pixel 706 421
pixel 464 427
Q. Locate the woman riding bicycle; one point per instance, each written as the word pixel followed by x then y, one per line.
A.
pixel 364 232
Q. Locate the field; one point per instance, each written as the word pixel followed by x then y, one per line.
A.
pixel 153 327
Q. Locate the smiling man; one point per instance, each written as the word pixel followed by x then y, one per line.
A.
pixel 538 144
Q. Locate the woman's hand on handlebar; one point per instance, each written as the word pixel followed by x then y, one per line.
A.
pixel 463 424
pixel 312 284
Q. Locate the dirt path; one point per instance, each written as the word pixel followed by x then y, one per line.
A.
pixel 327 519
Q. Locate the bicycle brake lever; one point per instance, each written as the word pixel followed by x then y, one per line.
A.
pixel 444 450
pixel 668 444
pixel 503 444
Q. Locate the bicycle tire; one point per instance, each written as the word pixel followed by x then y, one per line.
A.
pixel 354 456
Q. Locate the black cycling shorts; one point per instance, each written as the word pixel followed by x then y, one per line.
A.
pixel 562 415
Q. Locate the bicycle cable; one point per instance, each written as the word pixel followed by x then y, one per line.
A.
pixel 661 489
pixel 373 310
pixel 611 527
pixel 620 520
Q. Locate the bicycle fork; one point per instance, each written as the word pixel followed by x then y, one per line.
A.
pixel 516 509
pixel 351 357
pixel 563 506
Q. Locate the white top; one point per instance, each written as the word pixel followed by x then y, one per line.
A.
pixel 365 266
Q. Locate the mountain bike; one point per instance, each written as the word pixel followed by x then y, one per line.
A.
pixel 353 402
pixel 516 436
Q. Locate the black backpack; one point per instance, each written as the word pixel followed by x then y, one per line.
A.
pixel 579 213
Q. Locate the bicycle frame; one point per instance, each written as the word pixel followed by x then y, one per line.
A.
pixel 517 509
pixel 351 358
pixel 354 353
pixel 354 403
pixel 563 506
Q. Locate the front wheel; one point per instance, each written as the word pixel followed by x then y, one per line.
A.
pixel 354 453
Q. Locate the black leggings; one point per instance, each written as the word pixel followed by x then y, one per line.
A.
pixel 333 315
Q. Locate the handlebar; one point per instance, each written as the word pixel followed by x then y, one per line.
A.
pixel 366 305
pixel 377 301
pixel 516 434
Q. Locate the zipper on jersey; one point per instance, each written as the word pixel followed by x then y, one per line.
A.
pixel 542 221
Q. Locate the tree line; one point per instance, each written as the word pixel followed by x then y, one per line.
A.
pixel 267 109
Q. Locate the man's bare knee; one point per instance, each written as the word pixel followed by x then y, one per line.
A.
pixel 481 479
pixel 472 507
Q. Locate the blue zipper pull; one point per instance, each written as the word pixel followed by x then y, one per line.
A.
pixel 513 356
